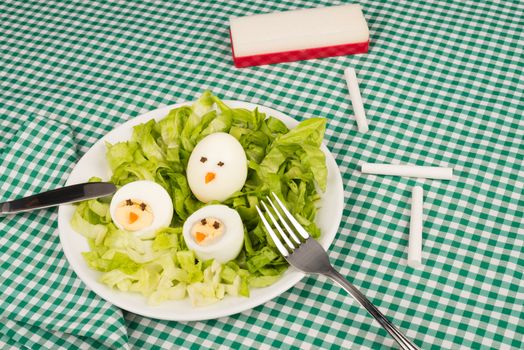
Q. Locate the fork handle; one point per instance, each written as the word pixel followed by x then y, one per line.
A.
pixel 400 338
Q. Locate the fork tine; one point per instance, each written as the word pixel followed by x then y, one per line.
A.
pixel 272 233
pixel 278 227
pixel 294 221
pixel 284 222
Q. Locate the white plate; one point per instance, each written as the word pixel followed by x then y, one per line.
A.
pixel 93 163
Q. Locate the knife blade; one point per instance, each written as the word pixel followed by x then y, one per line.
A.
pixel 63 195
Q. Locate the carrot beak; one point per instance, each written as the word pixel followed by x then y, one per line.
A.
pixel 132 217
pixel 210 177
pixel 200 236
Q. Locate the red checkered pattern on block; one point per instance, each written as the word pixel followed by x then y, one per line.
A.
pixel 298 55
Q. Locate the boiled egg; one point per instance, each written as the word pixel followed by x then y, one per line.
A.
pixel 141 207
pixel 214 232
pixel 217 167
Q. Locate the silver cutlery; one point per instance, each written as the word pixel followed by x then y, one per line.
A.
pixel 307 255
pixel 64 195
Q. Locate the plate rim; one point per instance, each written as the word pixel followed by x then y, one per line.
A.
pixel 248 303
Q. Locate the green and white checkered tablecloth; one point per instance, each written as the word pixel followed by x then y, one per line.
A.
pixel 442 85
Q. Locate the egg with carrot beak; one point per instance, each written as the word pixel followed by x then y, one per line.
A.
pixel 217 167
pixel 141 207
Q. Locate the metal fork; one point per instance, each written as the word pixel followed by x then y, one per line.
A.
pixel 307 254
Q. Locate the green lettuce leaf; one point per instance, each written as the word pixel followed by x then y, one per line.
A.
pixel 145 136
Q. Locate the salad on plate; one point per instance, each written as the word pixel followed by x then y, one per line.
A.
pixel 183 222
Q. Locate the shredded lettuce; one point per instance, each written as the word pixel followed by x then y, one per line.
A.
pixel 160 266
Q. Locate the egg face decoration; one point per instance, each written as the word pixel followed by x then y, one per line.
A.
pixel 141 207
pixel 217 167
pixel 214 232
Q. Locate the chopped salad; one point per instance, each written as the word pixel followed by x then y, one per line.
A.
pixel 159 264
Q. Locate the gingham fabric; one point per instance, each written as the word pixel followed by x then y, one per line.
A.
pixel 442 85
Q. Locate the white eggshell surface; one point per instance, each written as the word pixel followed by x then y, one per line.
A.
pixel 222 155
pixel 224 248
pixel 150 193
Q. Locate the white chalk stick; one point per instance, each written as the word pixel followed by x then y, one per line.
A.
pixel 415 229
pixel 356 99
pixel 427 172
